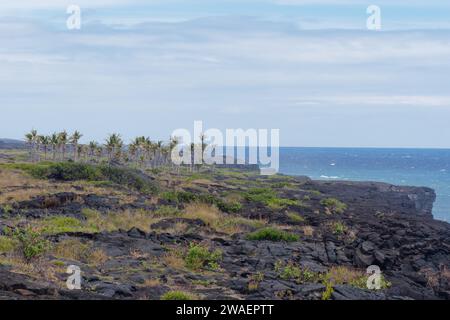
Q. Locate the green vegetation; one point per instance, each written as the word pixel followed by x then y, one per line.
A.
pixel 272 234
pixel 255 280
pixel 269 198
pixel 339 228
pixel 200 257
pixel 7 244
pixel 290 271
pixel 177 295
pixel 326 295
pixel 295 217
pixel 262 195
pixel 334 205
pixel 71 171
pixel 61 224
pixel 7 208
pixel 31 243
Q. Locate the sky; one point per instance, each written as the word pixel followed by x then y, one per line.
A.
pixel 310 68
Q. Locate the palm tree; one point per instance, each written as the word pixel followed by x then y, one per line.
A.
pixel 32 140
pixel 62 141
pixel 45 141
pixel 54 141
pixel 133 150
pixel 173 143
pixel 92 148
pixel 113 146
pixel 29 140
pixel 76 136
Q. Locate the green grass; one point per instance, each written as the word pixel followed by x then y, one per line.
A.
pixel 270 198
pixel 200 257
pixel 61 224
pixel 290 271
pixel 295 217
pixel 339 228
pixel 177 295
pixel 272 234
pixel 280 203
pixel 334 205
pixel 7 244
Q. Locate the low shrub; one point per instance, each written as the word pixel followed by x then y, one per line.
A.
pixel 272 234
pixel 290 271
pixel 177 295
pixel 32 244
pixel 200 257
pixel 71 171
pixel 338 228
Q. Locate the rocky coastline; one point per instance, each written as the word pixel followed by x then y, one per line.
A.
pixel 224 234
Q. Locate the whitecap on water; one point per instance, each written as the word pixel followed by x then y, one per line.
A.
pixel 329 177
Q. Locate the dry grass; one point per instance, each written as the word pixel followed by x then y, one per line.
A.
pixel 97 257
pixel 342 275
pixel 72 249
pixel 17 186
pixel 308 231
pixel 76 250
pixel 120 220
pixel 219 221
pixel 174 259
pixel 138 254
pixel 40 269
pixel 207 213
pixel 178 229
pixel 151 283
pixel 434 278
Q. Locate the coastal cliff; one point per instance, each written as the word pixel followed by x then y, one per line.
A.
pixel 375 196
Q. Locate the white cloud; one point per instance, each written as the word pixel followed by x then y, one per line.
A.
pixel 158 76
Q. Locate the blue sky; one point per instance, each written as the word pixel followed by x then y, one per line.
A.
pixel 309 68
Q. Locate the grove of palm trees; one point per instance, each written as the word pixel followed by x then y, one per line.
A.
pixel 141 152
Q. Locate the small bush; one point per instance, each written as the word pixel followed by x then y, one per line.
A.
pixel 230 207
pixel 272 234
pixel 334 205
pixel 262 195
pixel 32 244
pixel 292 272
pixel 200 257
pixel 177 295
pixel 339 228
pixel 255 280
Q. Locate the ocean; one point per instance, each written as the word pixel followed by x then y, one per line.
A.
pixel 412 167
